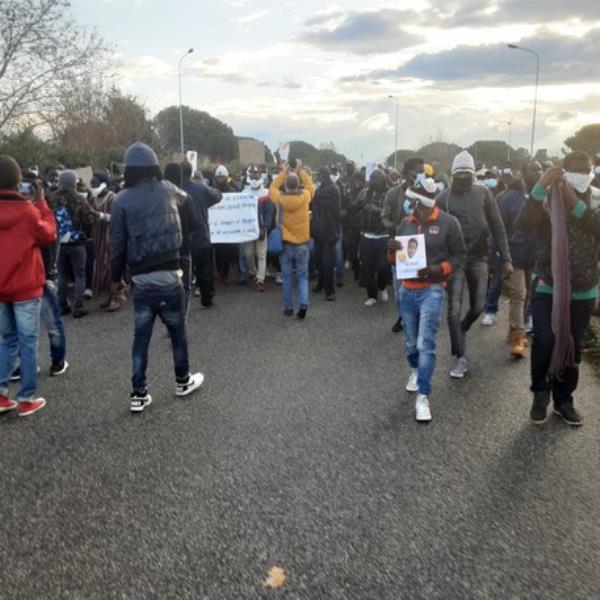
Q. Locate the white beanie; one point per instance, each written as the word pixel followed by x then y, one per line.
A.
pixel 463 162
pixel 221 171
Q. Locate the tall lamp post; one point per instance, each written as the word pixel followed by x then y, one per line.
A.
pixel 509 123
pixel 396 134
pixel 180 105
pixel 537 83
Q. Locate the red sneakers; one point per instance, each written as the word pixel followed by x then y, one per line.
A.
pixel 6 404
pixel 28 408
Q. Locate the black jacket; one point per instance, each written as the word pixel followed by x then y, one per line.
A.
pixel 478 215
pixel 203 198
pixel 583 238
pixel 444 241
pixel 145 228
pixel 393 206
pixel 370 205
pixel 326 207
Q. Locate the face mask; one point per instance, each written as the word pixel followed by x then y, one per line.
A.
pixel 491 184
pixel 597 170
pixel 334 178
pixel 580 182
pixel 462 183
pixel 96 191
pixel 420 178
pixel 409 208
pixel 255 184
pixel 507 171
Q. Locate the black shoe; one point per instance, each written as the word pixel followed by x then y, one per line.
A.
pixel 242 282
pixel 330 297
pixel 288 312
pixel 65 309
pixel 139 401
pixel 79 312
pixel 302 312
pixel 566 411
pixel 317 289
pixel 206 304
pixel 340 284
pixel 539 408
pixel 397 328
pixel 59 368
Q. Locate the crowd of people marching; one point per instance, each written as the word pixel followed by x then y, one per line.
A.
pixel 532 233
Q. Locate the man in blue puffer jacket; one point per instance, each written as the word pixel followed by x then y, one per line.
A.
pixel 146 236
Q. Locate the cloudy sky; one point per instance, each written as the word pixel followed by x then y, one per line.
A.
pixel 318 71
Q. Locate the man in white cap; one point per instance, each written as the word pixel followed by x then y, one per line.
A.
pixel 422 298
pixel 146 236
pixel 224 253
pixel 475 209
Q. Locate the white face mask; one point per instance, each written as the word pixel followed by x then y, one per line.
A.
pixel 597 170
pixel 98 190
pixel 255 184
pixel 334 178
pixel 579 181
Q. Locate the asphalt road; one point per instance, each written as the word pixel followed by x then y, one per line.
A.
pixel 300 451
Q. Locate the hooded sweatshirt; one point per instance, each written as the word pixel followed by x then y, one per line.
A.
pixel 295 224
pixel 23 229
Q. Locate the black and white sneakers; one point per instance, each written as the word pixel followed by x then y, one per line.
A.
pixel 139 401
pixel 193 383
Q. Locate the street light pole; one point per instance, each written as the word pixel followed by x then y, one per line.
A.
pixel 180 104
pixel 537 83
pixel 509 123
pixel 396 134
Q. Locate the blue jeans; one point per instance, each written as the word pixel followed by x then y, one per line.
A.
pixel 397 291
pixel 168 303
pixel 19 327
pixel 294 258
pixel 422 314
pixel 52 320
pixel 495 286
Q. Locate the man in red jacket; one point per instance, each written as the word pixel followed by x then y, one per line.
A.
pixel 24 227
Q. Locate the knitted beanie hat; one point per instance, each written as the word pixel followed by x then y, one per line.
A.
pixel 10 172
pixel 463 162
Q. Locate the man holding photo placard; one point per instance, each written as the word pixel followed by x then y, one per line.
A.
pixel 428 247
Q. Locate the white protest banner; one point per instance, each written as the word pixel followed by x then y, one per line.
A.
pixel 369 170
pixel 284 151
pixel 234 220
pixel 412 257
pixel 192 157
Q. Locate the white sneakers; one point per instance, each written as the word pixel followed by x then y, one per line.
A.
pixel 412 385
pixel 193 383
pixel 460 368
pixel 88 294
pixel 422 411
pixel 488 319
pixel 370 302
pixel 383 296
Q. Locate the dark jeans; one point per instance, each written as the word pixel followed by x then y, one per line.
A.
pixel 186 266
pixel 495 286
pixel 168 304
pixel 51 318
pixel 561 387
pixel 203 263
pixel 374 265
pixel 325 255
pixel 71 258
pixel 475 278
pixel 224 256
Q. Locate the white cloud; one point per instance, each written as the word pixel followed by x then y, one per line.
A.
pixel 255 16
pixel 378 122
